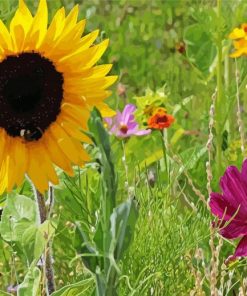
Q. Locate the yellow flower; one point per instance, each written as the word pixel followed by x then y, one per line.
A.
pixel 48 85
pixel 240 43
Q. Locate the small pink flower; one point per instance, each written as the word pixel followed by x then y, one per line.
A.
pixel 231 206
pixel 123 125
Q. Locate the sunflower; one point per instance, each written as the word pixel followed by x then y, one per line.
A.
pixel 48 85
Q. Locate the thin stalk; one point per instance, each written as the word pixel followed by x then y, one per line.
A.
pixel 219 100
pixel 164 148
pixel 125 166
pixel 232 114
pixel 239 119
pixel 241 282
pixel 47 257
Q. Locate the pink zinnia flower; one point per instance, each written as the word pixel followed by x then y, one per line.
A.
pixel 123 125
pixel 231 206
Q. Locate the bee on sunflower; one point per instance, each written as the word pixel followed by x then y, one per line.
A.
pixel 48 85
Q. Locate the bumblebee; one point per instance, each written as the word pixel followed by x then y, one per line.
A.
pixel 31 134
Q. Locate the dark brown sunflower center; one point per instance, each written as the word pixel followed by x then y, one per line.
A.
pixel 31 91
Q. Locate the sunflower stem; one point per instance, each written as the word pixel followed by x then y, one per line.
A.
pixel 47 257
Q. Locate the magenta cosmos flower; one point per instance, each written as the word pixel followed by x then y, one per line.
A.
pixel 123 125
pixel 231 206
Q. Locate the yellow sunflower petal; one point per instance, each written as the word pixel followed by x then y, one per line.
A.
pixel 11 164
pixel 5 38
pixel 2 144
pixel 65 143
pixel 97 97
pixel 87 41
pixel 83 155
pixel 4 175
pixel 79 85
pixel 86 58
pixel 39 27
pixel 72 130
pixel 20 157
pixel 34 171
pixel 40 168
pixel 105 110
pixel 67 43
pixel 56 154
pixel 71 19
pixel 55 30
pixel 78 113
pixel 20 25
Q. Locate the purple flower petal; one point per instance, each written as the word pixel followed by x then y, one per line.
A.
pixel 127 113
pixel 234 189
pixel 241 249
pixel 142 132
pixel 234 229
pixel 123 125
pixel 220 206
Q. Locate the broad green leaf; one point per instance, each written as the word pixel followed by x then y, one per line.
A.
pixel 19 213
pixel 84 246
pixel 123 220
pixel 35 238
pixel 101 139
pixel 200 48
pixel 78 289
pixel 30 285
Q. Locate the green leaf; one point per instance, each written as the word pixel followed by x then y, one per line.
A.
pixel 19 213
pixel 30 285
pixel 85 248
pixel 123 220
pixel 101 139
pixel 200 48
pixel 35 238
pixel 78 289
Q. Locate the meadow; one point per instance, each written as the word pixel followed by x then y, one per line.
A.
pixel 137 218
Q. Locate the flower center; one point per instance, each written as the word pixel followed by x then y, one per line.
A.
pixel 124 129
pixel 31 91
pixel 162 119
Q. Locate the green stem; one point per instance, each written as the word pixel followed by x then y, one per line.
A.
pixel 219 101
pixel 125 165
pixel 164 148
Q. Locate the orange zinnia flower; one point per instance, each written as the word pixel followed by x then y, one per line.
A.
pixel 160 119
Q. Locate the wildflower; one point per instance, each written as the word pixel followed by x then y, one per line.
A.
pixel 240 43
pixel 231 206
pixel 48 85
pixel 160 119
pixel 123 125
pixel 180 47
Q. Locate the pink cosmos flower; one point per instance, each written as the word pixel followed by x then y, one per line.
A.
pixel 231 206
pixel 123 125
